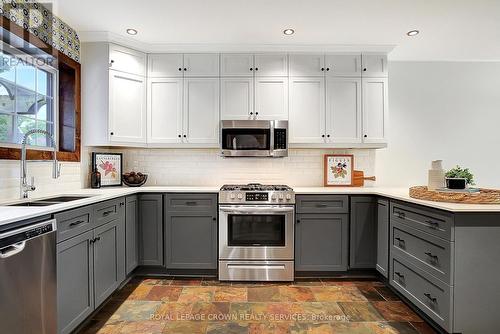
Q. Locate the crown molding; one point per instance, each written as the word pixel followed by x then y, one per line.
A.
pixel 104 36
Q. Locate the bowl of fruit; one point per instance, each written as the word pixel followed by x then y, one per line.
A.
pixel 134 179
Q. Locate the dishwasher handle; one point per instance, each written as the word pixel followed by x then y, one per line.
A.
pixel 12 250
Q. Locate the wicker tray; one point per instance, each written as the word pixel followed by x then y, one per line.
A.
pixel 484 196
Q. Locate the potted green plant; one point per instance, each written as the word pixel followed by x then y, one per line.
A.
pixel 459 178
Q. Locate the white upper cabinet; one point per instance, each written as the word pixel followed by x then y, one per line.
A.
pixel 271 65
pixel 165 110
pixel 343 110
pixel 302 65
pixel 343 65
pixel 127 108
pixel 374 65
pixel 167 65
pixel 201 111
pixel 201 65
pixel 375 110
pixel 237 98
pixel 127 60
pixel 237 65
pixel 271 98
pixel 307 110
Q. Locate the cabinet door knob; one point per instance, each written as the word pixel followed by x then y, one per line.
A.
pixel 256 68
pixel 180 136
pixel 214 218
pixel 364 69
pixel 256 113
pixel 298 220
pixel 322 69
pixel 111 62
pixel 365 136
pixel 251 69
pixel 327 69
pixel 328 136
pixel 180 69
pixel 111 133
pixel 251 112
pixel 185 69
pixel 184 136
pixel 323 136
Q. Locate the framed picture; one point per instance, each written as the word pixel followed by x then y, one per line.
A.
pixel 110 166
pixel 339 170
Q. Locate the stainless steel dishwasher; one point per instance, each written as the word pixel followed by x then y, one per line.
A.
pixel 28 294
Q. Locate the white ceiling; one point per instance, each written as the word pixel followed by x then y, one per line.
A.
pixel 450 29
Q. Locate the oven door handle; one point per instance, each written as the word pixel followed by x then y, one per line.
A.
pixel 249 210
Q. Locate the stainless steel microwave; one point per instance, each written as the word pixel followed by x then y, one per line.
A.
pixel 251 138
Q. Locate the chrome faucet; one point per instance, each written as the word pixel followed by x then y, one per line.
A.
pixel 56 169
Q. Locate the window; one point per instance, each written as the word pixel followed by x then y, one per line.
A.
pixel 27 97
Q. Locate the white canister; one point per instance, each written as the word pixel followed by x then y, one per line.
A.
pixel 436 175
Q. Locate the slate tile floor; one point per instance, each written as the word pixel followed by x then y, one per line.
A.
pixel 191 306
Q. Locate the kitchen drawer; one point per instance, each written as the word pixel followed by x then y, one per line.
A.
pixel 322 203
pixel 191 202
pixel 429 294
pixel 423 250
pixel 431 221
pixel 73 222
pixel 109 210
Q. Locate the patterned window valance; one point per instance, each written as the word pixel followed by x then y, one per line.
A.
pixel 39 20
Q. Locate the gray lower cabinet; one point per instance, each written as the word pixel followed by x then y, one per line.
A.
pixel 191 235
pixel 109 259
pixel 75 281
pixel 321 242
pixel 382 236
pixel 363 232
pixel 131 233
pixel 151 229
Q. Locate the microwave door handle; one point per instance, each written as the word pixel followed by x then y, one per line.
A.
pixel 255 210
pixel 235 146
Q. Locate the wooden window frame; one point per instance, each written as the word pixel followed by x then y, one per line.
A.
pixel 69 114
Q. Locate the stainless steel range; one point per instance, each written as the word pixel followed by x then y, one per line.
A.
pixel 256 232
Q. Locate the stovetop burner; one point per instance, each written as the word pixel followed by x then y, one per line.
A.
pixel 255 187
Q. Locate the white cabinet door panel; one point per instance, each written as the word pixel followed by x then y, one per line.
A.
pixel 201 65
pixel 343 110
pixel 271 98
pixel 236 65
pixel 127 60
pixel 165 110
pixel 302 65
pixel 343 65
pixel 375 110
pixel 271 65
pixel 127 108
pixel 307 110
pixel 166 65
pixel 237 98
pixel 201 110
pixel 374 65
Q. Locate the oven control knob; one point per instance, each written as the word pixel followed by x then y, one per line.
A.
pixel 273 197
pixel 288 197
pixel 281 197
pixel 232 196
pixel 240 196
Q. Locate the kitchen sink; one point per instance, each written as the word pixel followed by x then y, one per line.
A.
pixel 50 201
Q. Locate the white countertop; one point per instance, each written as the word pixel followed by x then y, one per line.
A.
pixel 10 214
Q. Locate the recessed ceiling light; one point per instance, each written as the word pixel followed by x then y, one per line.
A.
pixel 288 31
pixel 131 31
pixel 413 33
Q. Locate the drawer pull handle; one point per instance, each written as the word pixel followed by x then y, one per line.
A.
pixel 321 205
pixel 432 224
pixel 107 213
pixel 398 274
pixel 191 203
pixel 432 299
pixel 400 214
pixel 78 222
pixel 429 254
pixel 400 240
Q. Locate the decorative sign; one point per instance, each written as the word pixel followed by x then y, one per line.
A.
pixel 339 170
pixel 110 167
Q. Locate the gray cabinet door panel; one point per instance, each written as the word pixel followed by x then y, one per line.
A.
pixel 131 233
pixel 192 202
pixel 75 272
pixel 322 203
pixel 109 210
pixel 109 259
pixel 73 222
pixel 321 242
pixel 191 241
pixel 151 229
pixel 363 232
pixel 382 236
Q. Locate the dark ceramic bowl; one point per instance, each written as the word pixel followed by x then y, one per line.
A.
pixel 141 182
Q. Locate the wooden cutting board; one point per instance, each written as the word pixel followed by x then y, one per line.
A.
pixel 359 178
